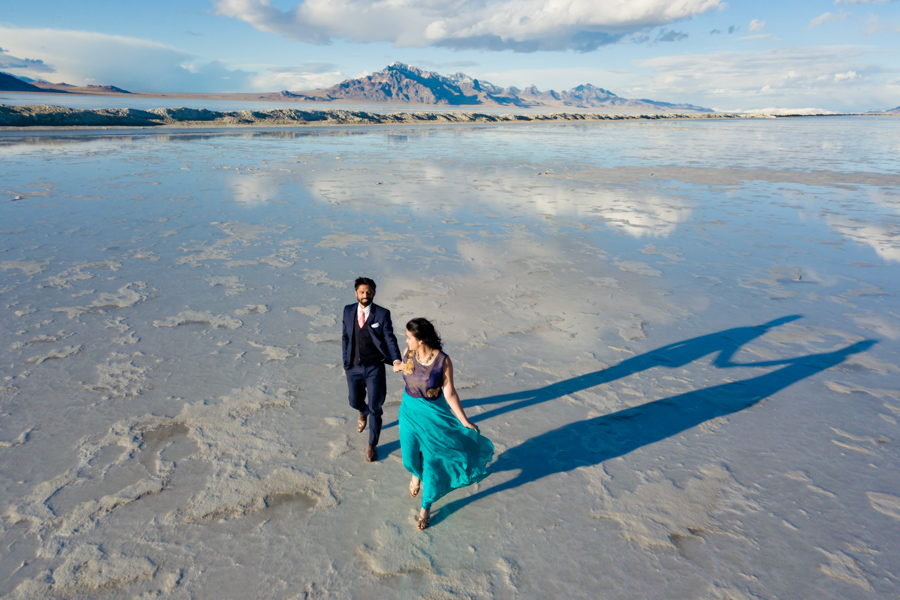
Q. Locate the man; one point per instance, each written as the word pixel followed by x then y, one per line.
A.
pixel 368 343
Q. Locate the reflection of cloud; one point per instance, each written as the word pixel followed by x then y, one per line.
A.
pixel 253 190
pixel 883 240
pixel 519 25
pixel 646 215
pixel 639 215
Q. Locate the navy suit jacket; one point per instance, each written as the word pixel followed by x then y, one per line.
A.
pixel 380 327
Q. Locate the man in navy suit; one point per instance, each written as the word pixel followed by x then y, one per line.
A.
pixel 368 343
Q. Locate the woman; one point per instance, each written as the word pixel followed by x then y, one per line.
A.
pixel 441 448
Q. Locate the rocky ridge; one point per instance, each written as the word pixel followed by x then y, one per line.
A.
pixel 57 116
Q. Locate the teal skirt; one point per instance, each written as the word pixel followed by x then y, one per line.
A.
pixel 438 450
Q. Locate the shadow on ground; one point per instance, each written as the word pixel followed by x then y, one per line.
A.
pixel 596 440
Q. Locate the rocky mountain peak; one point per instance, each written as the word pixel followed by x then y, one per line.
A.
pixel 406 84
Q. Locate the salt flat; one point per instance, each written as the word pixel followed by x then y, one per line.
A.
pixel 682 338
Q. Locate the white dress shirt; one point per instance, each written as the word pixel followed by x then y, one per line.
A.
pixel 365 310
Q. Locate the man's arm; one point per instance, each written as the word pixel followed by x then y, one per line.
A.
pixel 345 340
pixel 390 339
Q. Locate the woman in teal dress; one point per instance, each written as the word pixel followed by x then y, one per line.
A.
pixel 441 448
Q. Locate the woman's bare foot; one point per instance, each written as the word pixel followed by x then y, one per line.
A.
pixel 424 519
pixel 414 486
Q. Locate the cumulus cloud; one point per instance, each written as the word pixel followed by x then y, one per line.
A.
pixel 825 17
pixel 83 57
pixel 757 25
pixel 790 77
pixel 519 25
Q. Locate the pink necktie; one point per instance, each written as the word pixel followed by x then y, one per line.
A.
pixel 362 319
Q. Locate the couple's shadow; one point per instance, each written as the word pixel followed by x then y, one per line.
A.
pixel 596 440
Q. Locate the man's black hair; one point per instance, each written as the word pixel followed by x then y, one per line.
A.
pixel 364 281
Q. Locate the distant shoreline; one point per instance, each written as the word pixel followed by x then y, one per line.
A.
pixel 53 117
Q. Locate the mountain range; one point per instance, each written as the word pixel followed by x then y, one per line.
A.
pixel 405 84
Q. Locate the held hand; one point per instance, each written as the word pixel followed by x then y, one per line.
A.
pixel 398 366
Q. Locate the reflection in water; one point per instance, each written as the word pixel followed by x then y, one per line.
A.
pixel 448 169
pixel 879 228
pixel 883 239
pixel 253 190
pixel 15 142
pixel 422 188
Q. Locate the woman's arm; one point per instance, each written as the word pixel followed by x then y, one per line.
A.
pixel 453 398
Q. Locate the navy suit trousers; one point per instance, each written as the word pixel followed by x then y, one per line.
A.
pixel 368 381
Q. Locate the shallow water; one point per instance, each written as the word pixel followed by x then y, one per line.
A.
pixel 681 337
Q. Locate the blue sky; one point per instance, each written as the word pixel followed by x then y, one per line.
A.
pixel 839 55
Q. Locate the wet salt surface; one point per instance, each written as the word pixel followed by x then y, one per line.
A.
pixel 681 337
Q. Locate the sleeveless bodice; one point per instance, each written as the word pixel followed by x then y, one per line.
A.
pixel 424 381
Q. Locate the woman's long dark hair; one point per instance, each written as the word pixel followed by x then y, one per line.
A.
pixel 423 330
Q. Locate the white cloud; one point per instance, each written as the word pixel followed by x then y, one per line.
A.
pixel 863 1
pixel 520 25
pixel 848 76
pixel 873 25
pixel 757 25
pixel 10 62
pixel 83 57
pixel 758 36
pixel 825 17
pixel 789 77
pixel 787 111
pixel 310 76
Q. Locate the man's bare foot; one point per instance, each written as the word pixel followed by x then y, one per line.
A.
pixel 424 519
pixel 415 485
